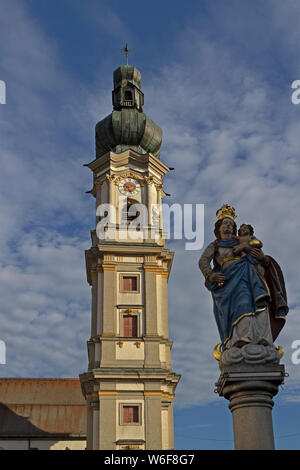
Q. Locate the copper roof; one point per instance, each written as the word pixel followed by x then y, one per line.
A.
pixel 41 407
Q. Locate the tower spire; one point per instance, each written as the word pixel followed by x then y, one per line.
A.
pixel 128 127
pixel 126 50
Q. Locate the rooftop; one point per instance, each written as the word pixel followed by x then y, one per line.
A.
pixel 42 407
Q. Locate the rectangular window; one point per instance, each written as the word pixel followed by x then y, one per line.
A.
pixel 129 283
pixel 130 414
pixel 130 326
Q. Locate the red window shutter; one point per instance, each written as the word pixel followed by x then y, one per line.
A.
pixel 126 326
pixel 130 414
pixel 134 326
pixel 130 283
pixel 126 414
pixel 130 326
pixel 135 414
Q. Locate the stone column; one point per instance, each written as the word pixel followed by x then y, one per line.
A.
pixel 250 389
pixel 89 436
pixel 149 202
pixel 95 425
pixel 94 276
pixel 107 419
pixel 153 425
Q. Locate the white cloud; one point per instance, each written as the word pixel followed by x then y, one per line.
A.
pixel 229 141
pixel 232 137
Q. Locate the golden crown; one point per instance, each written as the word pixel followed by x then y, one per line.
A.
pixel 226 211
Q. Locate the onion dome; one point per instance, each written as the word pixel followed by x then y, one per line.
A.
pixel 127 127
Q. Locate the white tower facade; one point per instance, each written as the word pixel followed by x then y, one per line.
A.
pixel 129 385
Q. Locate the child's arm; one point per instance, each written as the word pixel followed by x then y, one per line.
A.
pixel 243 246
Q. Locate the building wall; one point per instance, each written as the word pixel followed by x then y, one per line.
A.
pixel 42 444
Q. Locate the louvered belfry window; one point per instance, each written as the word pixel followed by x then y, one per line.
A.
pixel 130 326
pixel 128 98
pixel 130 414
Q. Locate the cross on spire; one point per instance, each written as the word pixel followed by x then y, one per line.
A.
pixel 126 50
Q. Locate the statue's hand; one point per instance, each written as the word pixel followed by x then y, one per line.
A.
pixel 237 250
pixel 258 254
pixel 216 277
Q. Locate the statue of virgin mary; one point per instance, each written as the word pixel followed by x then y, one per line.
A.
pixel 248 292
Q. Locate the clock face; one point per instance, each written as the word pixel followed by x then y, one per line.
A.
pixel 129 187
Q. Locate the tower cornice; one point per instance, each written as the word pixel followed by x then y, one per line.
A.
pixel 95 257
pixel 111 159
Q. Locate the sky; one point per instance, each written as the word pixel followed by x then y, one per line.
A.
pixel 217 79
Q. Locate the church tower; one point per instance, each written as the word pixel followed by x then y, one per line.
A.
pixel 129 385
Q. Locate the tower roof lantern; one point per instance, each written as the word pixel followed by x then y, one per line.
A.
pixel 127 127
pixel 127 74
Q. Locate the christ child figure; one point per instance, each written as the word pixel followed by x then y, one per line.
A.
pixel 247 241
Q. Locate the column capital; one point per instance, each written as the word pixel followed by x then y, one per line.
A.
pixel 237 377
pixel 250 389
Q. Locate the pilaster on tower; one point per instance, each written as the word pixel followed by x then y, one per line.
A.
pixel 129 386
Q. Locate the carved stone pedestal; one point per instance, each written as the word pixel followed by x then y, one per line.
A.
pixel 250 389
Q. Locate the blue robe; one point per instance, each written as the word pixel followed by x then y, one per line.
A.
pixel 240 294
